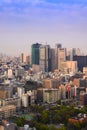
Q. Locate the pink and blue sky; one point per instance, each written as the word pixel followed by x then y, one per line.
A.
pixel 24 22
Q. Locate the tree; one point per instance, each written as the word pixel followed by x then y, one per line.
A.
pixel 62 128
pixel 74 126
pixel 21 121
pixel 45 116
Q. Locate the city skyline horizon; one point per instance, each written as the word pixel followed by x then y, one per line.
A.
pixel 28 52
pixel 23 23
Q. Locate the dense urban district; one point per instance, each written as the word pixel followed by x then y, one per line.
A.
pixel 46 90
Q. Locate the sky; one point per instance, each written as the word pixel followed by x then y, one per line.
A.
pixel 24 22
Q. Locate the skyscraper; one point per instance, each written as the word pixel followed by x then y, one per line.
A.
pixel 56 54
pixel 53 61
pixel 81 61
pixel 45 58
pixel 72 52
pixel 61 57
pixel 24 58
pixel 78 52
pixel 35 53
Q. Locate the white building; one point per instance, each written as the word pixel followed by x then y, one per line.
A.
pixel 20 91
pixel 25 100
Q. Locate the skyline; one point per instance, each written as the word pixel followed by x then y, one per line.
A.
pixel 24 22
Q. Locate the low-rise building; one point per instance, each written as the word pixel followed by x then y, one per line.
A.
pixel 11 101
pixel 51 83
pixel 48 95
pixel 7 111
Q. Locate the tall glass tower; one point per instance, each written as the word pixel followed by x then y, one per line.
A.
pixel 35 53
pixel 45 58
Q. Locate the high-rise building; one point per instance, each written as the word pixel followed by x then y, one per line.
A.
pixel 24 58
pixel 78 52
pixel 56 54
pixel 53 60
pixel 45 58
pixel 69 66
pixel 81 61
pixel 61 57
pixel 72 52
pixel 35 53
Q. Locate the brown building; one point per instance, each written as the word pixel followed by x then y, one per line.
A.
pixel 2 127
pixel 4 94
pixel 51 83
pixel 6 91
pixel 76 82
pixel 7 111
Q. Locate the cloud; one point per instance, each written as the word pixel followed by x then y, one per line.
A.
pixel 43 10
pixel 33 2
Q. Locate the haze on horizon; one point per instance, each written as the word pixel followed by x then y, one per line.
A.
pixel 24 22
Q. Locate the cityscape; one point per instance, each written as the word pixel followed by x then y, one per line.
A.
pixel 43 65
pixel 37 91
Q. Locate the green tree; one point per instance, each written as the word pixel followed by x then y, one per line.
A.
pixel 45 116
pixel 74 126
pixel 21 121
pixel 62 128
pixel 77 126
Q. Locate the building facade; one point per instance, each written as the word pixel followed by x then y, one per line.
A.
pixel 61 57
pixel 45 58
pixel 35 53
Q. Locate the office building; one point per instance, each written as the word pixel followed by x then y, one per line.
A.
pixel 72 52
pixel 56 54
pixel 35 53
pixel 61 57
pixel 45 58
pixel 81 61
pixel 24 58
pixel 53 59
pixel 69 66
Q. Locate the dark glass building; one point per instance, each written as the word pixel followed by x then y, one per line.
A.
pixel 81 61
pixel 35 53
